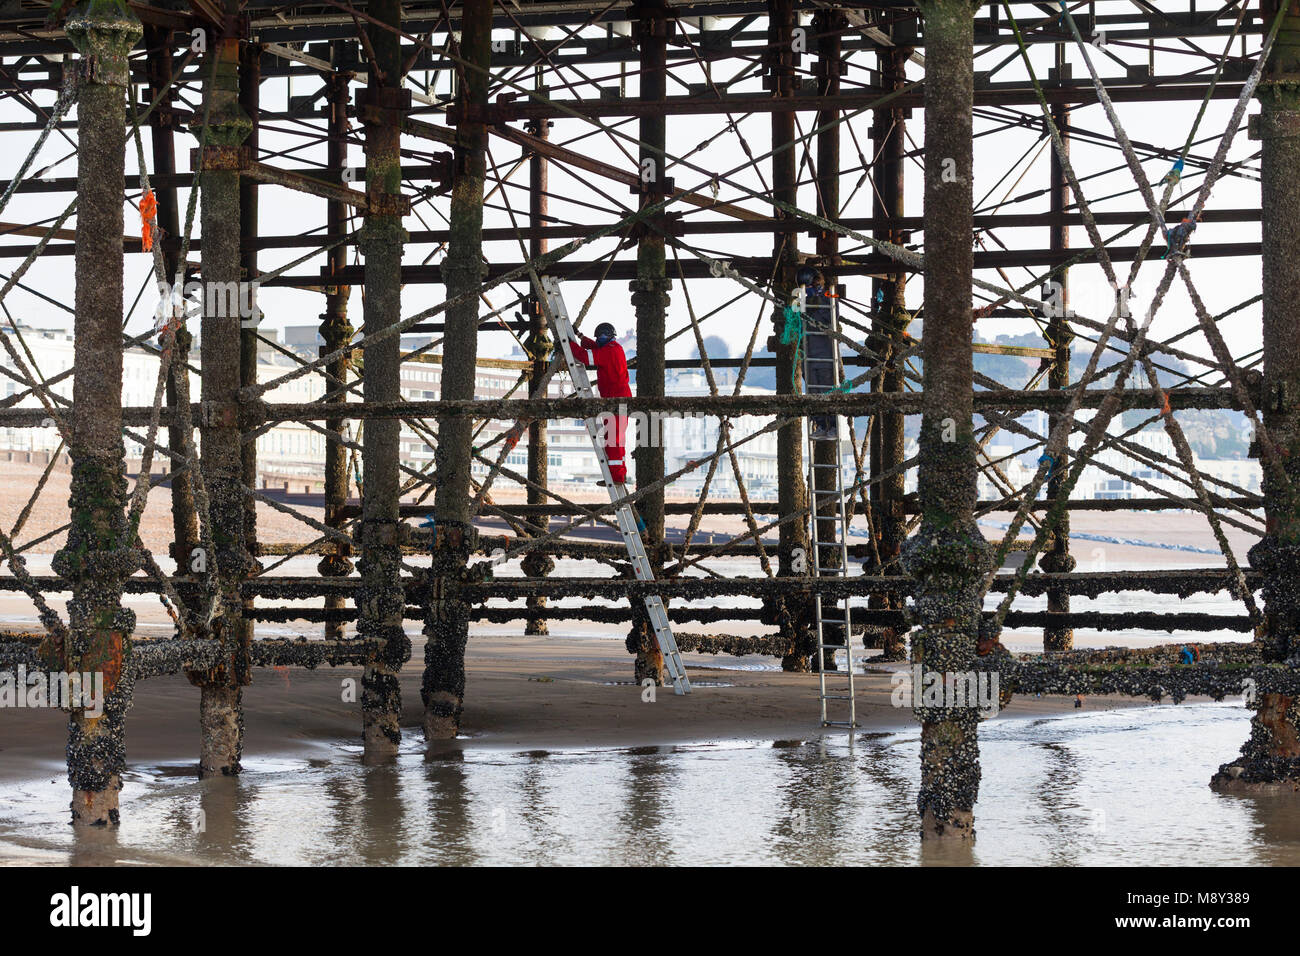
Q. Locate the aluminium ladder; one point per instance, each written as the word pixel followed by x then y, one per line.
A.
pixel 628 523
pixel 828 523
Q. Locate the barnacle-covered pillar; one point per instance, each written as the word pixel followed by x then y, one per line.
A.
pixel 650 300
pixel 1270 759
pixel 380 599
pixel 447 627
pixel 336 333
pixel 227 126
pixel 1057 558
pixel 948 555
pixel 537 563
pixel 99 553
pixel 889 339
pixel 791 612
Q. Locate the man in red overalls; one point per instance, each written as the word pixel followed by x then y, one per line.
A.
pixel 611 378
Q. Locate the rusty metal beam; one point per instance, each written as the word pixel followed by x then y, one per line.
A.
pixel 855 403
pixel 572 158
pixel 300 182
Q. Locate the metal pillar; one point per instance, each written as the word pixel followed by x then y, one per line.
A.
pixel 221 688
pixel 335 333
pixel 1270 759
pixel 250 88
pixel 948 555
pixel 380 601
pixel 162 122
pixel 889 339
pixel 99 554
pixel 537 563
pixel 1057 557
pixel 447 628
pixel 650 300
pixel 792 614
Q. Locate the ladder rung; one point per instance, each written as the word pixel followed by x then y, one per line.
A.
pixel 627 521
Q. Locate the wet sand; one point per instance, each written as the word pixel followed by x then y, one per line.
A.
pixel 277 527
pixel 570 690
pixel 523 693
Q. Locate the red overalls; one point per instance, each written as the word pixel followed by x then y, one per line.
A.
pixel 611 379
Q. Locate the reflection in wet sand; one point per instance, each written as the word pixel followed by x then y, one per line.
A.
pixel 1101 788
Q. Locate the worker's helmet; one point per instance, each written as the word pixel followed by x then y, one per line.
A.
pixel 605 333
pixel 806 275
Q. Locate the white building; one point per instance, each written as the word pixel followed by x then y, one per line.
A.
pixel 1117 474
pixel 694 438
pixel 290 448
pixel 51 356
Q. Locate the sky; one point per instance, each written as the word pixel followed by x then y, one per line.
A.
pixel 1006 164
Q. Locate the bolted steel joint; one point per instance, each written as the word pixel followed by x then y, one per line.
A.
pixel 221 158
pixel 1275 124
pixel 219 414
pixel 381 203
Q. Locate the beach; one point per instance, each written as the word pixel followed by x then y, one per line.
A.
pixel 522 693
pixel 563 760
pixel 549 708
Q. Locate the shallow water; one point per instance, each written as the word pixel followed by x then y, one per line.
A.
pixel 1123 787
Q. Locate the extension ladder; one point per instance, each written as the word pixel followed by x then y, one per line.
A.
pixel 828 524
pixel 628 523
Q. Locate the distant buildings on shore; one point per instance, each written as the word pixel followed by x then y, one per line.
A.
pixel 291 454
pixel 1114 473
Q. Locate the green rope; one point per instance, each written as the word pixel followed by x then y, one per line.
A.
pixel 792 334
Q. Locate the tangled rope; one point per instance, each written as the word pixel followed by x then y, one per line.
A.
pixel 792 334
